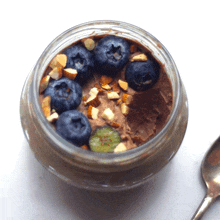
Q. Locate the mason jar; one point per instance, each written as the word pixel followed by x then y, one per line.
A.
pixel 93 170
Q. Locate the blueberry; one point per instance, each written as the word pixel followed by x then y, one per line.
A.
pixel 65 94
pixel 79 58
pixel 74 127
pixel 142 75
pixel 111 54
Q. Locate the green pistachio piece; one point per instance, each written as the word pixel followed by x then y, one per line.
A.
pixel 104 139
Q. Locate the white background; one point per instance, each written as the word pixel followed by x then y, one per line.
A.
pixel 190 32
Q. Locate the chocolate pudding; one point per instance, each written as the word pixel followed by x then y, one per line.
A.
pixel 136 115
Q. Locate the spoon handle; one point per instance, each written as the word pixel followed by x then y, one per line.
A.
pixel 207 201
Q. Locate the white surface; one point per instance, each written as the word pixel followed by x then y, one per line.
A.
pixel 190 32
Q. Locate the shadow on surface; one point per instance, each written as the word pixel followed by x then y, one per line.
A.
pixel 73 203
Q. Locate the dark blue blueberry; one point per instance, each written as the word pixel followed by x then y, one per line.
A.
pixel 74 127
pixel 79 58
pixel 111 54
pixel 65 94
pixel 142 75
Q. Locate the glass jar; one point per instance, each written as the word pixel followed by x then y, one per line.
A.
pixel 102 171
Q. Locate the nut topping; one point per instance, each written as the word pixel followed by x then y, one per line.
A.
pixel 113 95
pixel 93 100
pixel 59 61
pixel 52 118
pixel 46 106
pixel 44 83
pixel 123 84
pixel 84 98
pixel 93 112
pixel 94 91
pixel 108 114
pixel 85 147
pixel 119 101
pixel 124 109
pixel 56 73
pixel 97 86
pixel 70 73
pixel 126 98
pixel 115 87
pixel 89 44
pixel 115 125
pixel 120 148
pixel 138 57
pixel 105 80
pixel 106 86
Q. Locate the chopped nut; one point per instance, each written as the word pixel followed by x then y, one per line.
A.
pixel 126 98
pixel 70 73
pixel 93 100
pixel 59 61
pixel 97 86
pixel 105 80
pixel 106 86
pixel 56 73
pixel 133 48
pixel 44 83
pixel 93 112
pixel 89 44
pixel 52 118
pixel 124 109
pixel 115 125
pixel 115 87
pixel 113 95
pixel 84 98
pixel 46 106
pixel 119 101
pixel 108 114
pixel 123 84
pixel 120 148
pixel 138 57
pixel 85 147
pixel 134 54
pixel 101 91
pixel 94 91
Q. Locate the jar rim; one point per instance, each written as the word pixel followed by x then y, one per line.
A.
pixel 90 157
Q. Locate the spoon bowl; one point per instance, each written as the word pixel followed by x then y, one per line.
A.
pixel 210 169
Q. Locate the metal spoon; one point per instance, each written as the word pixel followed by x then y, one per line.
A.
pixel 211 175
